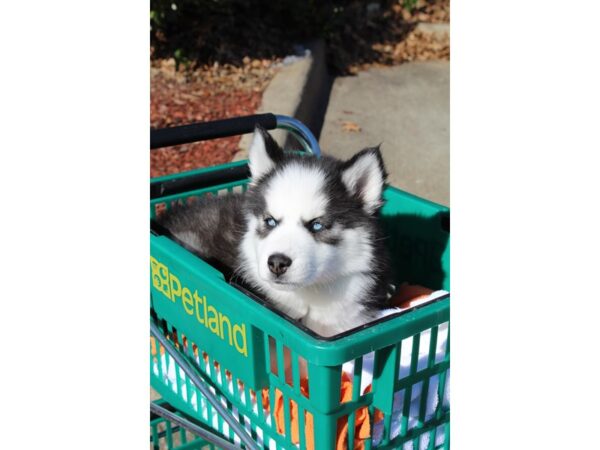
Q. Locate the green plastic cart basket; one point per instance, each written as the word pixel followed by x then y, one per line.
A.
pixel 251 377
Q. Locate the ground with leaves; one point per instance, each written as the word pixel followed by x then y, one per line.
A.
pixel 210 90
pixel 210 93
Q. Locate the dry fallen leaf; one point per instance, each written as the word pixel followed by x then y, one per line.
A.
pixel 351 127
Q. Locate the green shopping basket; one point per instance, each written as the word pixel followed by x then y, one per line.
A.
pixel 257 379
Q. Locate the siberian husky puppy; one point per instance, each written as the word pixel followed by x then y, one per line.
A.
pixel 305 235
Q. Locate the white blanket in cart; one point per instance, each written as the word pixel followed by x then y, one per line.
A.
pixel 366 379
pixel 404 369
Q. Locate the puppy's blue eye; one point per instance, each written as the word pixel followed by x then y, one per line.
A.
pixel 270 222
pixel 316 226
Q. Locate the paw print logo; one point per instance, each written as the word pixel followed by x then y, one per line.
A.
pixel 160 276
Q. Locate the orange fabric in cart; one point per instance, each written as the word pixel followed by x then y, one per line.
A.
pixel 405 297
pixel 362 428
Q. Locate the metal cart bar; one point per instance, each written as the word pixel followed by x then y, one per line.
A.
pixel 192 374
pixel 192 427
pixel 203 131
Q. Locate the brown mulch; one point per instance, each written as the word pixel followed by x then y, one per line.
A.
pixel 198 95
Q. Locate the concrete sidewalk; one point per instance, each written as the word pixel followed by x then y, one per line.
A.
pixel 405 108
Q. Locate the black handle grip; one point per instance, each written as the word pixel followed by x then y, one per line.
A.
pixel 203 131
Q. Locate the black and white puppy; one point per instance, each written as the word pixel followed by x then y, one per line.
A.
pixel 305 235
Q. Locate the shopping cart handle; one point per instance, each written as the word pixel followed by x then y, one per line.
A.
pixel 203 131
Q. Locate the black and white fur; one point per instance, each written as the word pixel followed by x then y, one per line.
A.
pixel 305 235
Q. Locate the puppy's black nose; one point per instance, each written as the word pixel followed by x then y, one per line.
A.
pixel 279 263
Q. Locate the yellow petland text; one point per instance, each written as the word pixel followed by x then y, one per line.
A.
pixel 199 306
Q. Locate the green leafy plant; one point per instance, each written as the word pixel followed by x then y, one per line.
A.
pixel 409 4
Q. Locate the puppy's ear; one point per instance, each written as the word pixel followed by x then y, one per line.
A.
pixel 364 176
pixel 264 153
